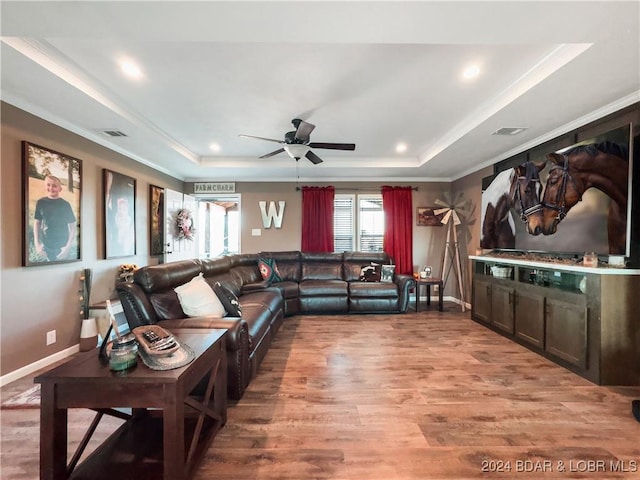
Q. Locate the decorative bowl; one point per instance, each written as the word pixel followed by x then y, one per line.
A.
pixel 161 334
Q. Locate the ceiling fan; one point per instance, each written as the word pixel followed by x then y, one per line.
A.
pixel 297 145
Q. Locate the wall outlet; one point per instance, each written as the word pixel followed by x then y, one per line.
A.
pixel 51 337
pixel 436 288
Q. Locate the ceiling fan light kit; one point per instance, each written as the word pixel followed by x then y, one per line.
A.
pixel 296 151
pixel 297 145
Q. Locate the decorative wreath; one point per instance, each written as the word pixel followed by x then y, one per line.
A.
pixel 184 225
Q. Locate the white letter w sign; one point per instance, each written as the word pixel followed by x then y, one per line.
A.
pixel 272 215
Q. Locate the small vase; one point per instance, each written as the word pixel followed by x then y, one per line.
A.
pixel 88 334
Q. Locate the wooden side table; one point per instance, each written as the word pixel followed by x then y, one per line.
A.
pixel 171 422
pixel 427 282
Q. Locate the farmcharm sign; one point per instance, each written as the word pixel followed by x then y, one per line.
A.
pixel 209 187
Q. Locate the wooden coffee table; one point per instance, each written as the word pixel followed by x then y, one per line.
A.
pixel 170 425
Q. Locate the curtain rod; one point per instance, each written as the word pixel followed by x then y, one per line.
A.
pixel 358 189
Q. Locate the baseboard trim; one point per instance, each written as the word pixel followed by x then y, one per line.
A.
pixel 35 366
pixel 456 300
pixel 446 298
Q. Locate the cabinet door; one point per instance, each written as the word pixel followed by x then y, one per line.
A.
pixel 481 300
pixel 502 307
pixel 566 331
pixel 529 317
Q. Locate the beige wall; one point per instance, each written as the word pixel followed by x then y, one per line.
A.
pixel 271 239
pixel 37 299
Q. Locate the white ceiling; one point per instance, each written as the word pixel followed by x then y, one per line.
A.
pixel 370 73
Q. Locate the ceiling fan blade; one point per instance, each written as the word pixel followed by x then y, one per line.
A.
pixel 303 129
pixel 275 152
pixel 334 146
pixel 315 159
pixel 261 138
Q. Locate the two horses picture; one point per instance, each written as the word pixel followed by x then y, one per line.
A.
pixel 573 200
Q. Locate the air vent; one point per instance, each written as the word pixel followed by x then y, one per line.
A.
pixel 509 131
pixel 114 133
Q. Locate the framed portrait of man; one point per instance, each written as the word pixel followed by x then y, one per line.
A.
pixel 119 215
pixel 51 203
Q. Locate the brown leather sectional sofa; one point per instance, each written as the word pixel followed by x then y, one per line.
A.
pixel 322 283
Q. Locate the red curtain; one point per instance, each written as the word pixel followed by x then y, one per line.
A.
pixel 317 219
pixel 398 229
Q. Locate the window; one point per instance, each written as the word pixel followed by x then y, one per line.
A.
pixel 343 228
pixel 358 223
pixel 219 229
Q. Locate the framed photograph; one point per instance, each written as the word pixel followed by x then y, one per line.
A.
pixel 119 215
pixel 51 198
pixel 426 217
pixel 156 220
pixel 387 272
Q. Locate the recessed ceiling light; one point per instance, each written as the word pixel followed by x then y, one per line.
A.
pixel 130 69
pixel 401 147
pixel 214 147
pixel 472 71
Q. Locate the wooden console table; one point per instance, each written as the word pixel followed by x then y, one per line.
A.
pixel 427 282
pixel 181 409
pixel 583 318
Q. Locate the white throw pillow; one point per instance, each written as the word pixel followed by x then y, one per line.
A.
pixel 198 299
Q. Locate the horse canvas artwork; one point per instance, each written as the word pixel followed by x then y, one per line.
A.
pixel 603 166
pixel 515 188
pixel 577 200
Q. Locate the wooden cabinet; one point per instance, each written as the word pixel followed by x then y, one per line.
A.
pixel 529 317
pixel 566 331
pixel 502 313
pixel 585 319
pixel 481 299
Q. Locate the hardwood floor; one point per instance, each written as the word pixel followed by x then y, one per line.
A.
pixel 416 396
